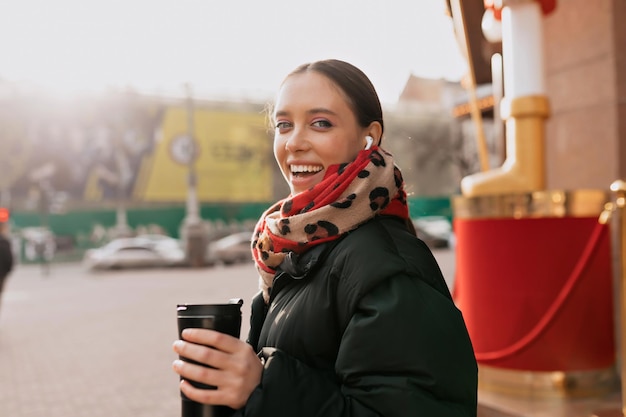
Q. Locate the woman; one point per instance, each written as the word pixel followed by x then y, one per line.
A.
pixel 354 317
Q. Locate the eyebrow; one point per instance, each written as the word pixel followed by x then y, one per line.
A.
pixel 311 111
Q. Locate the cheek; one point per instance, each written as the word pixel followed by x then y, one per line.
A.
pixel 346 153
pixel 277 147
pixel 279 152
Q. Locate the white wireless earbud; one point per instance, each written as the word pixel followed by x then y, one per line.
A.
pixel 370 141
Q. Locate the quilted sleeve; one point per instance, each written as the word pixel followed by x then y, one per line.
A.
pixel 405 352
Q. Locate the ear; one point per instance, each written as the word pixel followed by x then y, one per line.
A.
pixel 375 130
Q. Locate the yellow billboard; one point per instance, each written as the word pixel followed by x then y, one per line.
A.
pixel 231 153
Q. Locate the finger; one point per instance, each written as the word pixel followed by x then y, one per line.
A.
pixel 204 396
pixel 202 354
pixel 208 337
pixel 198 373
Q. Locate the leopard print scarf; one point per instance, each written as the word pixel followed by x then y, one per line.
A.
pixel 349 195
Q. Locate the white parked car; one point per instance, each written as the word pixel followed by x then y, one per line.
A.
pixel 435 231
pixel 136 252
pixel 230 249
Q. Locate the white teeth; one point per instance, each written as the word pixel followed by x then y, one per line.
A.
pixel 305 168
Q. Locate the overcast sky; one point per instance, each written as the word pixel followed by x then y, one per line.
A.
pixel 221 47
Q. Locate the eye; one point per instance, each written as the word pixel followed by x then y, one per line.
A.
pixel 322 123
pixel 282 125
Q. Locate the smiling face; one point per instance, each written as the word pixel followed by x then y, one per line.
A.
pixel 315 127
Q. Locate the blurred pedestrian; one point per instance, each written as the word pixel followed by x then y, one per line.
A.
pixel 6 256
pixel 354 318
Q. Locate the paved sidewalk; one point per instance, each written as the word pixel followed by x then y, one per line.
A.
pixel 78 344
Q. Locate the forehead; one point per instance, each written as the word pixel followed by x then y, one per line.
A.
pixel 310 89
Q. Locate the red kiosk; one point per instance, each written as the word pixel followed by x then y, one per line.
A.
pixel 534 276
pixel 534 283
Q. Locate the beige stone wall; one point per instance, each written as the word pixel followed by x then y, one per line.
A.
pixel 619 23
pixel 586 81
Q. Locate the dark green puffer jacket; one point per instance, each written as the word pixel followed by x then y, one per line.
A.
pixel 362 327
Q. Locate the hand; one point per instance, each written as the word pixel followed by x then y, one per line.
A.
pixel 236 369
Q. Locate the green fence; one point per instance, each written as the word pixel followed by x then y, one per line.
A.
pixel 74 230
pixel 82 222
pixel 430 206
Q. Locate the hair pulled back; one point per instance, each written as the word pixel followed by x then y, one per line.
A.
pixel 356 86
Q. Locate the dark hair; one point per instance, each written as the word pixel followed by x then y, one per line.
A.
pixel 358 89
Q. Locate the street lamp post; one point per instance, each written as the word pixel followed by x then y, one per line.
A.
pixel 193 232
pixel 122 229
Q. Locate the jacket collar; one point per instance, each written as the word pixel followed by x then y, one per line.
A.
pixel 298 266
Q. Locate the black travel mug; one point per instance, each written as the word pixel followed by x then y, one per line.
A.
pixel 225 318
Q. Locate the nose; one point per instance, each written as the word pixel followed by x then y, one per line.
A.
pixel 296 141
